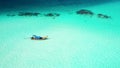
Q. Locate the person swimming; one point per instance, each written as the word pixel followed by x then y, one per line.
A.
pixel 35 37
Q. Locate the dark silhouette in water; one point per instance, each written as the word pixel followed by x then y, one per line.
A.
pixel 103 16
pixel 52 15
pixel 88 12
pixel 85 12
pixel 28 14
pixel 35 14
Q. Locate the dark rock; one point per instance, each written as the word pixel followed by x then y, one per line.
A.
pixel 49 14
pixel 36 14
pixel 84 12
pixel 103 16
pixel 57 14
pixel 52 14
pixel 27 14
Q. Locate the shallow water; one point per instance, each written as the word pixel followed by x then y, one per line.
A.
pixel 75 41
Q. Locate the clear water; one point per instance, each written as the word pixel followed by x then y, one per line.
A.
pixel 75 41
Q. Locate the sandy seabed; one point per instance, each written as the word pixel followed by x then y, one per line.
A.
pixel 75 41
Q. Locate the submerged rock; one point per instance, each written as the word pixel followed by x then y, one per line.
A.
pixel 28 14
pixel 103 16
pixel 85 12
pixel 52 14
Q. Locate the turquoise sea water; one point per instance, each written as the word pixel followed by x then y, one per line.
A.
pixel 75 41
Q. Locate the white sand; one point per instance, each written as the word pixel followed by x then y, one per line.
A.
pixel 74 41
